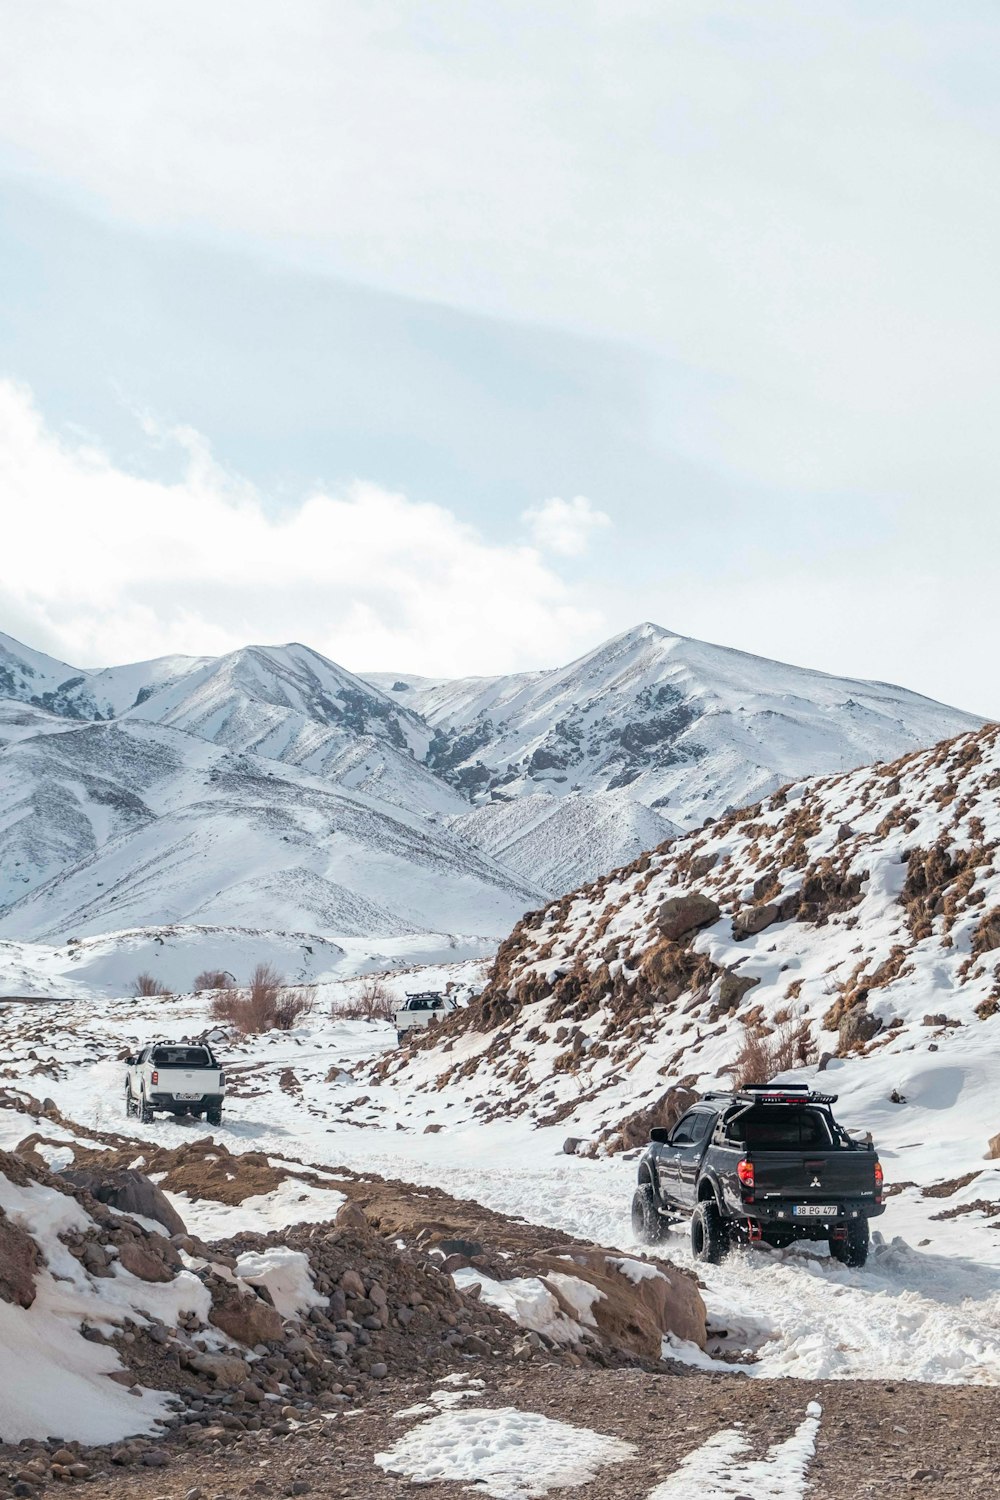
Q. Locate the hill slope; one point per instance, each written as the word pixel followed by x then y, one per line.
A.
pixel 852 918
pixel 110 826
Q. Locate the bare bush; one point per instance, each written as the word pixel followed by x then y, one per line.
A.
pixel 213 979
pixel 762 1054
pixel 373 1002
pixel 145 984
pixel 753 1062
pixel 266 1005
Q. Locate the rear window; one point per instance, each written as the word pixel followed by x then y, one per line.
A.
pixel 182 1057
pixel 780 1127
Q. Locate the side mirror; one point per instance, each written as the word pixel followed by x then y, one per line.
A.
pixel 130 1062
pixel 660 1134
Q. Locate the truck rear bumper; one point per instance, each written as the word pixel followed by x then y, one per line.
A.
pixel 175 1106
pixel 781 1214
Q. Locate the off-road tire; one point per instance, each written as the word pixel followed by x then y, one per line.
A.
pixel 145 1112
pixel 710 1241
pixel 130 1108
pixel 854 1250
pixel 213 1116
pixel 648 1226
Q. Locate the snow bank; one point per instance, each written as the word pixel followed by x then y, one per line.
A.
pixel 286 1275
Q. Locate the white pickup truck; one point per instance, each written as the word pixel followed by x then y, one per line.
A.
pixel 177 1078
pixel 419 1011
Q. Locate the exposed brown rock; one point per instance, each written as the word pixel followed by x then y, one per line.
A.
pixel 19 1258
pixel 754 919
pixel 681 915
pixel 244 1317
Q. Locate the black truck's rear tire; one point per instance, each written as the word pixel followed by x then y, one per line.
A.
pixel 710 1241
pixel 852 1251
pixel 648 1225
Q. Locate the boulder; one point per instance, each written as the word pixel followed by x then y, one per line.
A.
pixel 243 1316
pixel 994 1148
pixel 570 1145
pixel 143 1262
pixel 681 915
pixel 18 1261
pixel 129 1191
pixel 754 919
pixel 733 987
pixel 350 1216
pixel 224 1369
pixel 857 1027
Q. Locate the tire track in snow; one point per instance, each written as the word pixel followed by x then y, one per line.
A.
pixel 712 1472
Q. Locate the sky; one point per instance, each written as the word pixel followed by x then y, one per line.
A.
pixel 454 339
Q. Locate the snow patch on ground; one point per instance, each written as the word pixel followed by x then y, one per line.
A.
pixel 506 1453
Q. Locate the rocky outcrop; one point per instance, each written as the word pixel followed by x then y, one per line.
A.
pixel 639 1302
pixel 857 1027
pixel 243 1316
pixel 129 1191
pixel 19 1258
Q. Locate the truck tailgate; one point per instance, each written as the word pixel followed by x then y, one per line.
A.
pixel 820 1176
pixel 188 1083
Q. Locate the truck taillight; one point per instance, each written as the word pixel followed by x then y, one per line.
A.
pixel 744 1172
pixel 222 1080
pixel 154 1077
pixel 879 1179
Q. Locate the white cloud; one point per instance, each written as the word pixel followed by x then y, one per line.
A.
pixel 101 566
pixel 565 526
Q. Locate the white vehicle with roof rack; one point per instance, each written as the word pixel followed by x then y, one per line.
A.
pixel 421 1010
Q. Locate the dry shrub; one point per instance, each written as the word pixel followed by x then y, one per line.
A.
pixel 763 1054
pixel 373 1002
pixel 266 1005
pixel 145 984
pixel 213 979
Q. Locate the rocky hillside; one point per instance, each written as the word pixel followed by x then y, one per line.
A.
pixel 850 922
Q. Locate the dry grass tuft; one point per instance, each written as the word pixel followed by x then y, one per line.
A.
pixel 266 1005
pixel 763 1054
pixel 213 979
pixel 145 984
pixel 373 1002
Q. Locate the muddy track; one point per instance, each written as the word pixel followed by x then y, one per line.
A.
pixel 903 1440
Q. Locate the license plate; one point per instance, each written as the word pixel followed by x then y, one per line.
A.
pixel 187 1096
pixel 815 1210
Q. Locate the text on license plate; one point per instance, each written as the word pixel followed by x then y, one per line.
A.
pixel 188 1096
pixel 815 1210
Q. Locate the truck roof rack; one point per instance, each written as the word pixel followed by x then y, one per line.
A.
pixel 773 1093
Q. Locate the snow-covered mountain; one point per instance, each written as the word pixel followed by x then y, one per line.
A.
pixel 689 728
pixel 533 783
pixel 130 825
pixel 30 677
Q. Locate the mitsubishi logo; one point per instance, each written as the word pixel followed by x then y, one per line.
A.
pixel 815 1182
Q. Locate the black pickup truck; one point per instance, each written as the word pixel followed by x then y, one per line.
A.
pixel 767 1163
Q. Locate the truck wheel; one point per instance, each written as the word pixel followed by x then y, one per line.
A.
pixel 129 1103
pixel 648 1226
pixel 709 1235
pixel 213 1116
pixel 145 1112
pixel 854 1250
